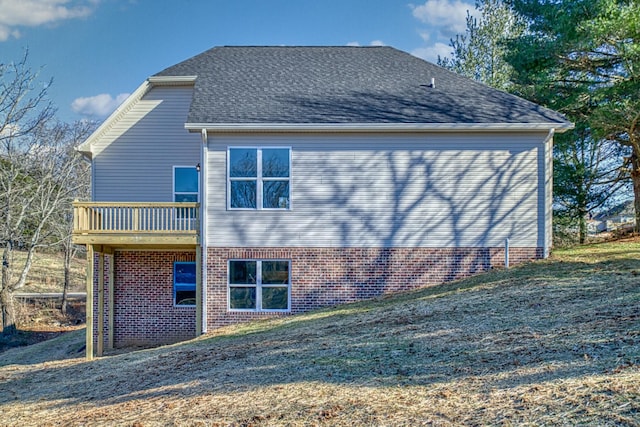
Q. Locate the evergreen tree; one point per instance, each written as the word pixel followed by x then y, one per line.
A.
pixel 582 58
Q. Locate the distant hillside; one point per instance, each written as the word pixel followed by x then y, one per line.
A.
pixel 624 208
pixel 47 272
pixel 554 342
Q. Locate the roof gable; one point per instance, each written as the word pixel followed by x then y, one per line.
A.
pixel 342 85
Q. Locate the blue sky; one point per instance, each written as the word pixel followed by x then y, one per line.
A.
pixel 99 51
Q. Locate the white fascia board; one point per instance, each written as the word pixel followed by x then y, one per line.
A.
pixel 85 147
pixel 171 80
pixel 378 127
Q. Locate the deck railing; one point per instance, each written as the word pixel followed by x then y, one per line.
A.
pixel 127 218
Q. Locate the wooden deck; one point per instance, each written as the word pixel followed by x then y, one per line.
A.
pixel 123 224
pixel 105 227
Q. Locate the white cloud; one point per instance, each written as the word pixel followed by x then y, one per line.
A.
pixel 449 16
pixel 33 13
pixel 9 130
pixel 425 36
pixel 373 43
pixel 431 53
pixel 443 20
pixel 98 106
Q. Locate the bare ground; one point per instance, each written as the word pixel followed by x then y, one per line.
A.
pixel 550 343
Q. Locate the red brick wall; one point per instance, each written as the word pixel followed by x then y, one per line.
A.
pixel 144 313
pixel 323 277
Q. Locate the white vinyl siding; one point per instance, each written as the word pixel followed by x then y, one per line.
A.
pixel 430 190
pixel 133 161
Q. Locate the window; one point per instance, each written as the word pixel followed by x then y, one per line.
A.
pixel 259 285
pixel 259 178
pixel 185 188
pixel 184 283
pixel 185 184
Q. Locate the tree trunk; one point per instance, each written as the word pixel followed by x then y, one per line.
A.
pixel 635 179
pixel 67 276
pixel 8 313
pixel 8 317
pixel 583 227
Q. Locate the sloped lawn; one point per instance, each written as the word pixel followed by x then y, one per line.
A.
pixel 550 343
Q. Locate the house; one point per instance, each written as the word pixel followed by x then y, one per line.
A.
pixel 618 218
pixel 248 182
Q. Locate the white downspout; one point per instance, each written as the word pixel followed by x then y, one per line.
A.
pixel 548 197
pixel 204 224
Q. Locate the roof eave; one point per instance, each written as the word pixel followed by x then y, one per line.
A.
pixel 558 127
pixel 171 80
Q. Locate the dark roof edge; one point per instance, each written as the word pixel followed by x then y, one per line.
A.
pixel 559 127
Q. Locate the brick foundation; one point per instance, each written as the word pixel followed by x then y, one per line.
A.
pixel 323 277
pixel 144 313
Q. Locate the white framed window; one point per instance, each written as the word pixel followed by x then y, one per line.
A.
pixel 184 283
pixel 259 178
pixel 259 285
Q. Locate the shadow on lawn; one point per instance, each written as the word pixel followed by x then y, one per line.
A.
pixel 506 329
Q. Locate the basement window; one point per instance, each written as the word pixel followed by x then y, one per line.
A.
pixel 184 283
pixel 259 285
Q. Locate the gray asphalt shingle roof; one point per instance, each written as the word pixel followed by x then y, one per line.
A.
pixel 303 85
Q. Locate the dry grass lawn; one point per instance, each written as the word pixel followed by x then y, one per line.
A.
pixel 47 273
pixel 550 343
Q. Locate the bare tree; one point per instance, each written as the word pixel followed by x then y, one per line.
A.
pixel 39 176
pixel 24 110
pixel 80 182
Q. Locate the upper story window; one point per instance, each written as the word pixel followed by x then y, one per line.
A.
pixel 259 178
pixel 185 184
pixel 185 189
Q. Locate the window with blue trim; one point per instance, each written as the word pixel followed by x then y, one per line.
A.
pixel 184 283
pixel 185 189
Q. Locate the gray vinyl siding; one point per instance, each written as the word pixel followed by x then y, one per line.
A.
pixel 133 161
pixel 434 190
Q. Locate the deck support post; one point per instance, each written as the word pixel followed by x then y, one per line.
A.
pixel 112 299
pixel 100 346
pixel 89 304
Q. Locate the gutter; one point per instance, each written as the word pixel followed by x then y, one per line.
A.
pixel 559 127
